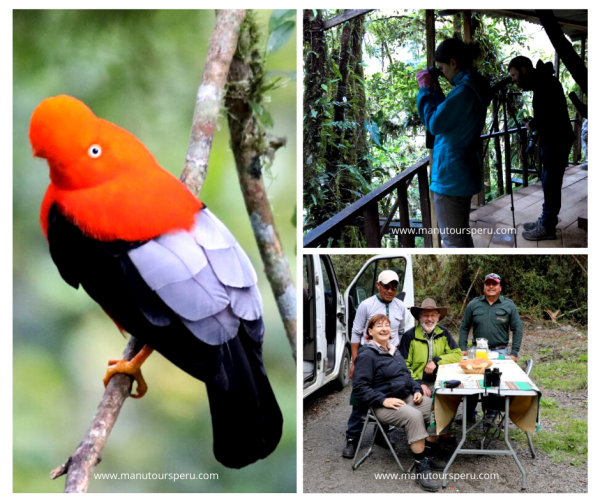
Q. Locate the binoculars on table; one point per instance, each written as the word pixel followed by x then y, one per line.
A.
pixel 491 378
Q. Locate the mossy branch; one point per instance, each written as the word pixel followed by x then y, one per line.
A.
pixel 252 150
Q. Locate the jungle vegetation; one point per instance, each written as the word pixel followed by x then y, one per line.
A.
pixel 360 121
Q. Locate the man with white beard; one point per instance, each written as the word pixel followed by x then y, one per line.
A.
pixel 425 347
pixel 428 345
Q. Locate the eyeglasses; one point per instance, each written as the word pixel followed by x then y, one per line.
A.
pixel 387 287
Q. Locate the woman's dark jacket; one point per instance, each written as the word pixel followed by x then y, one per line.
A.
pixel 379 375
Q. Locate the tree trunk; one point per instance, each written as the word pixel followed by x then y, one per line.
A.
pixel 315 74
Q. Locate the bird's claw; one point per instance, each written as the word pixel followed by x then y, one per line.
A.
pixel 128 368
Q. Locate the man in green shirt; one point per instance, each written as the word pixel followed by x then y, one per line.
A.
pixel 491 316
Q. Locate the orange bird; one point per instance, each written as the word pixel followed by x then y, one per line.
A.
pixel 161 265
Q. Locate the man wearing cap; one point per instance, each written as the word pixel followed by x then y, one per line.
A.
pixel 491 316
pixel 386 303
pixel 428 345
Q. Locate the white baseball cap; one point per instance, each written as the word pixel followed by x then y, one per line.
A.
pixel 388 276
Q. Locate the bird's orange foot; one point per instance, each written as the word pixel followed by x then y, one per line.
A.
pixel 129 368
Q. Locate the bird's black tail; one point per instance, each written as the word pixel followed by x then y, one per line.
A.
pixel 246 419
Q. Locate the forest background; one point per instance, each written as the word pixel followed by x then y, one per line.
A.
pixel 538 284
pixel 360 120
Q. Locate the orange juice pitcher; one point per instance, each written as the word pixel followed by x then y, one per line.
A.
pixel 481 350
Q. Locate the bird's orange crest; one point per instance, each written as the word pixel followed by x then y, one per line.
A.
pixel 103 178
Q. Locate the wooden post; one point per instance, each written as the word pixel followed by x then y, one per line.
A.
pixel 556 65
pixel 479 198
pixel 497 149
pixel 467 35
pixel 509 187
pixel 525 158
pixel 430 39
pixel 372 236
pixel 579 122
pixel 568 56
pixel 425 208
pixel 407 240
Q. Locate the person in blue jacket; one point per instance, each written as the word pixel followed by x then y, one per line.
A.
pixel 456 121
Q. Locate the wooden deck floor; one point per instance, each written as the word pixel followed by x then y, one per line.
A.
pixel 497 215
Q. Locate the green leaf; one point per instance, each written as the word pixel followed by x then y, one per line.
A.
pixel 256 108
pixel 266 119
pixel 335 69
pixel 279 16
pixel 294 217
pixel 324 87
pixel 280 36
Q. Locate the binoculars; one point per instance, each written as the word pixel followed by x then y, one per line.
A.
pixel 434 71
pixel 491 378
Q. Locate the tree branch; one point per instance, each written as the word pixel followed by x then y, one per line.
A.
pixel 251 150
pixel 88 454
pixel 223 42
pixel 210 95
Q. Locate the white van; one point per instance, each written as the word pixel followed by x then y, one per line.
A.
pixel 328 316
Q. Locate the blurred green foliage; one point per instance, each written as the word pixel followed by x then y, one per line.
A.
pixel 534 282
pixel 140 70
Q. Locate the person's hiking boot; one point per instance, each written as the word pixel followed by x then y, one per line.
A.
pixel 423 476
pixel 532 224
pixel 350 449
pixel 380 440
pixel 539 233
pixel 432 452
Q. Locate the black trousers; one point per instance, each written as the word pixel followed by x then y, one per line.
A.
pixel 555 157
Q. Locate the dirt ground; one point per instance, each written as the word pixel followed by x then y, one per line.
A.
pixel 326 471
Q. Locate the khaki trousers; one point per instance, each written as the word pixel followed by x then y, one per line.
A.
pixel 411 417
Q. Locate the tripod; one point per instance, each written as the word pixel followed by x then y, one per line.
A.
pixel 503 103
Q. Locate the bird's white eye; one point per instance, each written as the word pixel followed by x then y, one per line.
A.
pixel 95 151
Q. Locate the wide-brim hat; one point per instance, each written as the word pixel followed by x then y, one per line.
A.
pixel 428 304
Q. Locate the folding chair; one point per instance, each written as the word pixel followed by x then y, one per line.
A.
pixel 494 425
pixel 372 418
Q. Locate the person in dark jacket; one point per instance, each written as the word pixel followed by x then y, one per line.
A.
pixel 456 121
pixel 555 138
pixel 382 380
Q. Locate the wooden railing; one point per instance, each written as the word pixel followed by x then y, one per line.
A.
pixel 367 206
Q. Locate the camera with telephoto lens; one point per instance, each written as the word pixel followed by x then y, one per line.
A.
pixel 434 71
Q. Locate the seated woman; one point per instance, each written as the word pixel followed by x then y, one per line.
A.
pixel 428 345
pixel 382 380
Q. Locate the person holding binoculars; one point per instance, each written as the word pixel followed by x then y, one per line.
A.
pixel 456 121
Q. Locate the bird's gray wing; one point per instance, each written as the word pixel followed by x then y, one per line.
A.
pixel 204 276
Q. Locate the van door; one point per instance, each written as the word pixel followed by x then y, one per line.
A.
pixel 363 286
pixel 326 354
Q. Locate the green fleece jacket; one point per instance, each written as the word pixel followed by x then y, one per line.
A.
pixel 415 350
